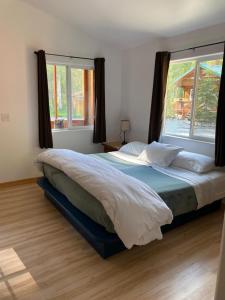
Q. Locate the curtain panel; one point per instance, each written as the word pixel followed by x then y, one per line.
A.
pixel 99 134
pixel 45 133
pixel 162 61
pixel 220 122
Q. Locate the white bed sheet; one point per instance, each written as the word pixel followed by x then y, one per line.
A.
pixel 208 187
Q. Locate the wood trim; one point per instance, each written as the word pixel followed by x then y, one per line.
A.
pixel 18 182
pixel 85 78
pixel 111 146
pixel 92 98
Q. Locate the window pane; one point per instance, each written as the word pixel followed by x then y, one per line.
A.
pixel 57 95
pixel 179 98
pixel 50 91
pixel 61 92
pixel 91 97
pixel 206 99
pixel 82 97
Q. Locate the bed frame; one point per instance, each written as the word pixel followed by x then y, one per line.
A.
pixel 105 243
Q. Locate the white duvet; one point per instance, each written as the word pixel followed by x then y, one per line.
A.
pixel 136 211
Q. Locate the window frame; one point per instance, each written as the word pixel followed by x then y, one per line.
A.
pixel 69 66
pixel 192 136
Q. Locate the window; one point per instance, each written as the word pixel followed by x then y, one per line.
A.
pixel 192 96
pixel 71 95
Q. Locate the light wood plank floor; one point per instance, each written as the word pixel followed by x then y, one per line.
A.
pixel 43 257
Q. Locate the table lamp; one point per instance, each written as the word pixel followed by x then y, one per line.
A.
pixel 125 126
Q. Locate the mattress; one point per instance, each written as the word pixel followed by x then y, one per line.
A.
pixel 79 197
pixel 177 194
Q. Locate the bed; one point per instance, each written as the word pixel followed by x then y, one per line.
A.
pixel 187 195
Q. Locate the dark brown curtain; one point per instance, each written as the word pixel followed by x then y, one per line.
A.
pixel 220 122
pixel 162 60
pixel 45 133
pixel 99 135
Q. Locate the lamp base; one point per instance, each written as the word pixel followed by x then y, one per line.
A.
pixel 124 138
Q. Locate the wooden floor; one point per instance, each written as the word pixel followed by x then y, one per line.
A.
pixel 43 257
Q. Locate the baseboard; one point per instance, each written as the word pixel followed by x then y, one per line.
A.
pixel 18 182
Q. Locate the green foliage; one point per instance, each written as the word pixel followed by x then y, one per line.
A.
pixel 50 89
pixel 61 91
pixel 61 80
pixel 77 80
pixel 176 70
pixel 206 99
pixel 77 90
pixel 206 93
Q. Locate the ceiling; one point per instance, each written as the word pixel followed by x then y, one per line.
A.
pixel 131 22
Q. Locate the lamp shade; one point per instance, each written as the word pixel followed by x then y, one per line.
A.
pixel 125 125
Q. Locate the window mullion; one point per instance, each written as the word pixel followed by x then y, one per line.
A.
pixel 69 96
pixel 193 103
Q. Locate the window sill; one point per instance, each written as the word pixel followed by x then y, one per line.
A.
pixel 188 139
pixel 78 128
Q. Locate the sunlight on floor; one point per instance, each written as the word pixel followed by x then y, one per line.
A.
pixel 15 281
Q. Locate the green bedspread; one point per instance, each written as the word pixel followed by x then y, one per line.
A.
pixel 178 195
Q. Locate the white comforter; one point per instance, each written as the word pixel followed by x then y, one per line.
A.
pixel 136 211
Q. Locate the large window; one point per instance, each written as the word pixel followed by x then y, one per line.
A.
pixel 71 95
pixel 192 96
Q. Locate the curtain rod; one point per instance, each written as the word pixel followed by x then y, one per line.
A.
pixel 53 54
pixel 201 46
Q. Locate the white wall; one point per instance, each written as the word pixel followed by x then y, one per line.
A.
pixel 24 29
pixel 138 71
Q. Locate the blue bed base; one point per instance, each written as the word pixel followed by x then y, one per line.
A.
pixel 105 243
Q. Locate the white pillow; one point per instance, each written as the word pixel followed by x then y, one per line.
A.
pixel 160 154
pixel 194 162
pixel 134 148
